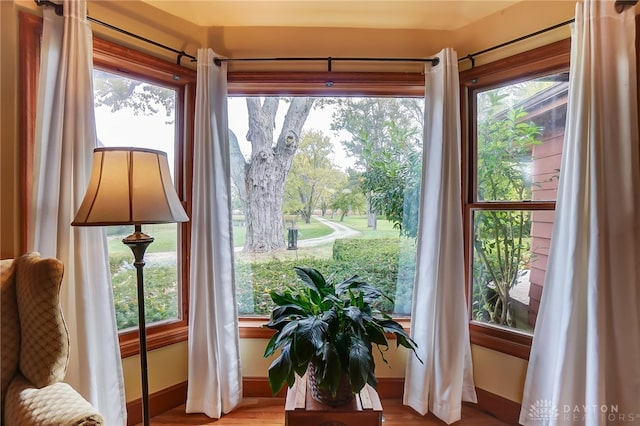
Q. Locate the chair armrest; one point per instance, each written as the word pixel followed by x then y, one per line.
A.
pixel 54 405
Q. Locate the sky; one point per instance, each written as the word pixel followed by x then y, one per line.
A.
pixel 123 128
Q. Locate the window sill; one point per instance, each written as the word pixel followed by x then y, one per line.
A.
pixel 252 327
pixel 506 341
pixel 511 343
pixel 157 337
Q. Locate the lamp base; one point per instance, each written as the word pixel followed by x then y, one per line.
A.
pixel 138 237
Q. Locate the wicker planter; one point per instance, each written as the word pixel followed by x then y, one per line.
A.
pixel 323 396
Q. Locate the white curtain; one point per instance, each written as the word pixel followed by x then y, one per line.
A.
pixel 64 141
pixel 584 359
pixel 439 322
pixel 215 380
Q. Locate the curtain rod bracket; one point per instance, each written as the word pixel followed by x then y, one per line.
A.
pixel 621 5
pixel 57 7
pixel 329 64
pixel 180 55
pixel 471 59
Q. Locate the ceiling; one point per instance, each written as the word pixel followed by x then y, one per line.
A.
pixel 388 14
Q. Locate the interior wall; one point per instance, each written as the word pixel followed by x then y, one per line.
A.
pixel 9 153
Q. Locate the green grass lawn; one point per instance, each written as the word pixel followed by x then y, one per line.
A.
pixel 305 231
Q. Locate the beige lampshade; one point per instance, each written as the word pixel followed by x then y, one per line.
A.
pixel 129 186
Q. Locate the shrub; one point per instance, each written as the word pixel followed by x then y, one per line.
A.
pixel 376 263
pixel 161 294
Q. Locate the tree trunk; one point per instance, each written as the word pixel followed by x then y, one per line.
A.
pixel 238 170
pixel 268 169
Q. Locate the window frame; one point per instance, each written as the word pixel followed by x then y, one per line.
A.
pixel 118 59
pixel 524 66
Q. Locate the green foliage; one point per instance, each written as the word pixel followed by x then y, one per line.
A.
pixel 333 326
pixel 348 197
pixel 501 237
pixel 161 292
pixel 313 177
pixel 393 180
pixel 386 137
pixel 379 263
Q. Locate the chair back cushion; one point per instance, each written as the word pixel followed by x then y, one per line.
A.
pixel 44 350
pixel 10 343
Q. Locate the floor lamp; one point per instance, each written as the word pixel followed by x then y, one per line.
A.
pixel 132 186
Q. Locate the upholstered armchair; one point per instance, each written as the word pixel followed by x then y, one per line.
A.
pixel 35 348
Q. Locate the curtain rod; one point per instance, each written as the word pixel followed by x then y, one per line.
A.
pixel 330 60
pixel 472 56
pixel 619 5
pixel 59 11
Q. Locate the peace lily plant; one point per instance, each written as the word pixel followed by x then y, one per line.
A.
pixel 330 330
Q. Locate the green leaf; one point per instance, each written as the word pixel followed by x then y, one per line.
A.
pixel 360 364
pixel 332 371
pixel 312 279
pixel 280 371
pixel 355 315
pixel 331 318
pixel 271 346
pixel 376 334
pixel 309 338
pixel 286 334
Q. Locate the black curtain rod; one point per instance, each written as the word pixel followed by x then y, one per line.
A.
pixel 471 56
pixel 330 60
pixel 620 6
pixel 59 11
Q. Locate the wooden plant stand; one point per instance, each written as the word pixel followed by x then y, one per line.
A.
pixel 302 410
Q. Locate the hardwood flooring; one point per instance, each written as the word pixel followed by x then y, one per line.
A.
pixel 270 412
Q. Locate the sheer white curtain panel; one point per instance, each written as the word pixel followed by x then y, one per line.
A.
pixel 215 379
pixel 64 141
pixel 583 368
pixel 439 322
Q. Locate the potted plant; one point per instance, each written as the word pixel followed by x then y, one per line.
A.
pixel 329 331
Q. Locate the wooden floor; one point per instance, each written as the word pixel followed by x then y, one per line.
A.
pixel 270 412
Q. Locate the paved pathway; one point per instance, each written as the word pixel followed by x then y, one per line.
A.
pixel 339 231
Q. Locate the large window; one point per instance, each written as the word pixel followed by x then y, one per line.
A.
pixel 514 151
pixel 142 101
pixel 325 182
pixel 131 112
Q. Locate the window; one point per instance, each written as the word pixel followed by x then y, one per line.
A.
pixel 120 63
pixel 514 150
pixel 145 102
pixel 326 182
pixel 131 112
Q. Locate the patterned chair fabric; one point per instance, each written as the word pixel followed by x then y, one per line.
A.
pixel 35 348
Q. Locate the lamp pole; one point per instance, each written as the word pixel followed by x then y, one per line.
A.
pixel 138 243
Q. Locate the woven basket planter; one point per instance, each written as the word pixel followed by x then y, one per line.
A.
pixel 323 396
